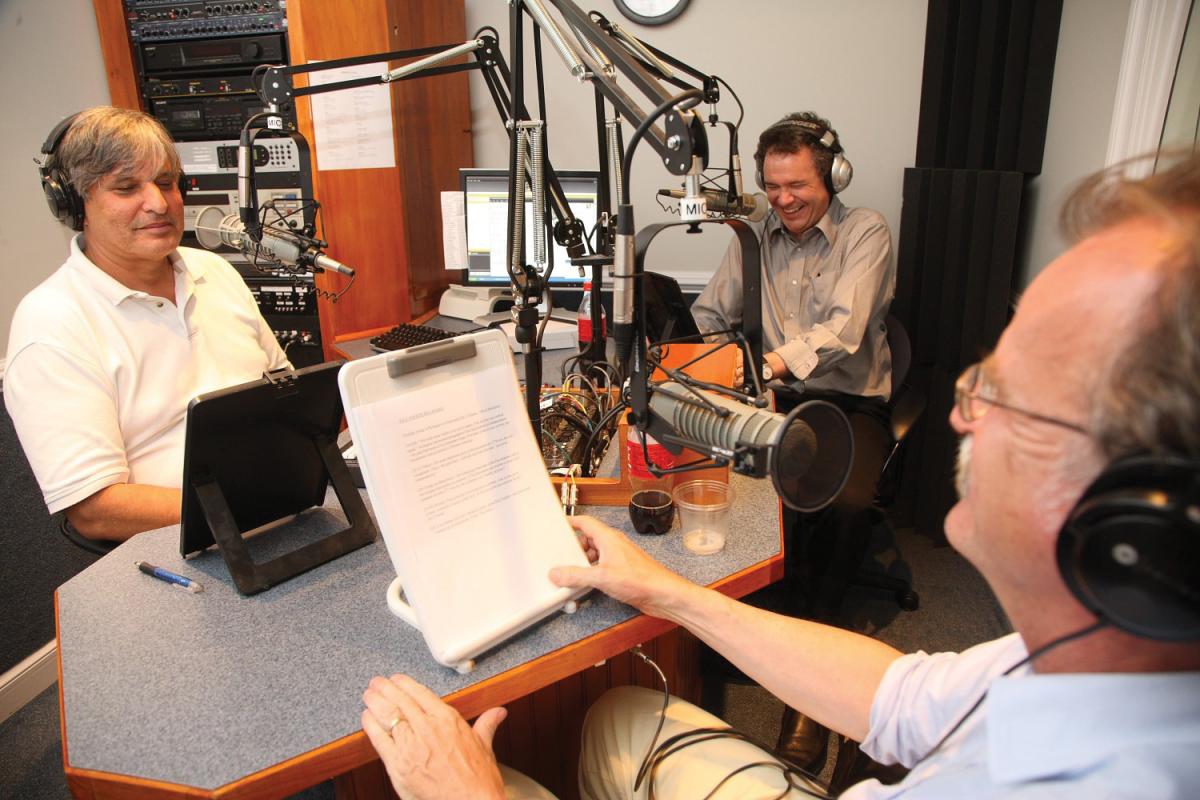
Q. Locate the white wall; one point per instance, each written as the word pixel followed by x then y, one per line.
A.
pixel 856 62
pixel 50 66
pixel 1081 108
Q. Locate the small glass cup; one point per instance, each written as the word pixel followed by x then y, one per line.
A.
pixel 704 514
pixel 651 511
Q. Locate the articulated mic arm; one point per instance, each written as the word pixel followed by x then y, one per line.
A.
pixel 277 86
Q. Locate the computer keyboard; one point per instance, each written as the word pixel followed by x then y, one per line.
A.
pixel 407 335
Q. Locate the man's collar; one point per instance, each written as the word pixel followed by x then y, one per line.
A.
pixel 828 224
pixel 109 287
pixel 1044 725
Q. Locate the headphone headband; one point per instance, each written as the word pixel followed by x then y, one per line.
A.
pixel 824 136
pixel 56 135
pixel 840 171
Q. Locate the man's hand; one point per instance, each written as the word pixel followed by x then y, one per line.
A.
pixel 778 367
pixel 622 570
pixel 426 746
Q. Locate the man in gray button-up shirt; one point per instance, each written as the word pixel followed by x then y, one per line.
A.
pixel 828 279
pixel 828 274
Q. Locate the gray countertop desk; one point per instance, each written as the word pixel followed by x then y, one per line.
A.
pixel 165 693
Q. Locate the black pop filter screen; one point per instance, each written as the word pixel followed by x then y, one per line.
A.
pixel 814 456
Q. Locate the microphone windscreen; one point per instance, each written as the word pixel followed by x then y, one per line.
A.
pixel 208 227
pixel 797 449
pixel 812 461
pixel 762 207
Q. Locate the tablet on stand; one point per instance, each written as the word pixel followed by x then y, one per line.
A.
pixel 256 456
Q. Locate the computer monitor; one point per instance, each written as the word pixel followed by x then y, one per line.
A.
pixel 486 195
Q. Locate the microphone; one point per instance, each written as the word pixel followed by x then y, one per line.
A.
pixel 753 207
pixel 285 247
pixel 246 196
pixel 624 261
pixel 807 454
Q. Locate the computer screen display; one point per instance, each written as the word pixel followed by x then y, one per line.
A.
pixel 486 195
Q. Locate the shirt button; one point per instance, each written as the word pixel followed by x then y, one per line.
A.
pixel 159 304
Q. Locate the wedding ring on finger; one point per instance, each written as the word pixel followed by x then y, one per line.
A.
pixel 396 720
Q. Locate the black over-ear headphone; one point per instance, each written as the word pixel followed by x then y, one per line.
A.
pixel 1130 549
pixel 840 172
pixel 65 203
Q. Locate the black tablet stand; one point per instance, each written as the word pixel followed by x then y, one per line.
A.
pixel 273 444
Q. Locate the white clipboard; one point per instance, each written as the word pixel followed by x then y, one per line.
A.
pixel 468 514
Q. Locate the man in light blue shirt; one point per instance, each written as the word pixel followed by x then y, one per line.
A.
pixel 1079 485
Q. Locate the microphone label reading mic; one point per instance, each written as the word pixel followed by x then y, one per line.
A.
pixel 692 209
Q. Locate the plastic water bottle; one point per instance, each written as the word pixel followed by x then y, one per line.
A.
pixel 585 318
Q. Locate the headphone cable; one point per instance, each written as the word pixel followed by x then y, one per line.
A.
pixel 1087 630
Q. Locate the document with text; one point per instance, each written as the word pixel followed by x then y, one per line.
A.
pixel 470 517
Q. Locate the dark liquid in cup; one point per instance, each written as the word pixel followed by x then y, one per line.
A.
pixel 651 511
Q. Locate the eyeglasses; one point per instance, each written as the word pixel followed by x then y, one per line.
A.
pixel 973 401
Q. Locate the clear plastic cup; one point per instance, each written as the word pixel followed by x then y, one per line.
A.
pixel 704 514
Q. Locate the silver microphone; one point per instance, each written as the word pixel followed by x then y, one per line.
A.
pixel 215 228
pixel 807 453
pixel 753 207
pixel 624 262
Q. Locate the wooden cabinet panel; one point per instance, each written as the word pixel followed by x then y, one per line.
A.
pixel 386 223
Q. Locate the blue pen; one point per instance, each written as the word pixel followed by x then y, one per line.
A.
pixel 169 577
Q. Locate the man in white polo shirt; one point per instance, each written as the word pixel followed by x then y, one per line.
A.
pixel 104 356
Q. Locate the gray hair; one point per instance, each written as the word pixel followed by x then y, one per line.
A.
pixel 1150 400
pixel 103 139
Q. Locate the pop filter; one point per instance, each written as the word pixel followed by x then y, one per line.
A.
pixel 211 228
pixel 808 452
pixel 811 461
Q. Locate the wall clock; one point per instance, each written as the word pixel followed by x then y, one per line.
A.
pixel 651 12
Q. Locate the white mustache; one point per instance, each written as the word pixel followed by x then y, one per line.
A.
pixel 962 467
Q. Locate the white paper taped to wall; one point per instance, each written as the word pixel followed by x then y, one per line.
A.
pixel 353 127
pixel 454 230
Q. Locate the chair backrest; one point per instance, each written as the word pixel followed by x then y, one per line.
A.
pixel 898 343
pixel 21 499
pixel 34 559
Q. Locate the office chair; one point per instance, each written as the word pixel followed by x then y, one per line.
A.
pixel 36 559
pixel 22 500
pixel 98 546
pixel 906 404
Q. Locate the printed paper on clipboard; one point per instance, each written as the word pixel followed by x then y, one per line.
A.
pixel 468 514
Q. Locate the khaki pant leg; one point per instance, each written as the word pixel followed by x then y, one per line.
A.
pixel 617 733
pixel 519 786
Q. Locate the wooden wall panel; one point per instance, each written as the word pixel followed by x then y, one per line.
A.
pixel 118 54
pixel 386 223
pixel 434 141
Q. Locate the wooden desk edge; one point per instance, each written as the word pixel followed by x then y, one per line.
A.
pixel 354 750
